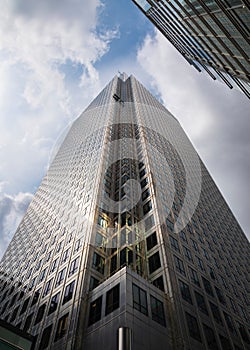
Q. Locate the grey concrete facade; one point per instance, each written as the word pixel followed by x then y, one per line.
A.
pixel 104 333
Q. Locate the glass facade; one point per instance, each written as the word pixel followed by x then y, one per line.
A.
pixel 212 35
pixel 127 190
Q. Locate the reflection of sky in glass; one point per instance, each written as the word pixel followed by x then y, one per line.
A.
pixel 143 4
pixel 209 3
pixel 189 39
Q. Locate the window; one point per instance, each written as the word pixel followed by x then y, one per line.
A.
pixel 68 292
pixel 54 303
pixel 225 343
pixel 185 292
pixel 112 299
pixel 149 222
pixel 243 312
pixel 151 241
pixel 144 182
pixel 69 237
pixel 154 262
pixel 36 297
pixel 245 298
pixel 145 194
pixel 99 240
pixel 170 225
pixel 48 287
pixel 59 247
pixel 28 322
pixel 158 282
pixel 210 337
pixel 4 296
pixel 74 266
pixel 18 325
pixel 95 311
pixel 143 5
pixel 211 272
pixel 205 253
pixel 207 286
pixel 157 311
pixel 53 240
pixel 45 338
pixel 65 255
pixel 4 307
pixel 200 238
pixel 78 245
pixel 123 237
pixel 210 246
pixel 21 295
pixel 62 327
pixel 14 314
pixel 233 305
pixel 229 322
pixel 13 300
pixel 126 257
pixel 142 172
pixel 200 264
pixel 216 313
pixel 38 265
pixel 140 300
pixel 54 265
pixel 200 300
pixel 243 333
pixel 102 222
pixel 42 275
pixel 93 283
pixel 123 219
pixel 236 347
pixel 32 283
pixel 193 327
pixel 183 236
pixel 44 248
pixel 194 244
pixel 220 295
pixel 24 307
pixel 98 263
pixel 187 253
pixel 174 243
pixel 11 290
pixel 147 207
pixel 216 263
pixel 6 317
pixel 40 313
pixel 60 277
pixel 113 264
pixel 179 265
pixel 194 276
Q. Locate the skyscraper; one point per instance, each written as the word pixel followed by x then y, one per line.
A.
pixel 213 36
pixel 128 243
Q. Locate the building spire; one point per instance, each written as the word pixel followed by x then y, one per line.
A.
pixel 123 76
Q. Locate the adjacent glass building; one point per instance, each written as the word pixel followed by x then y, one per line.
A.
pixel 213 35
pixel 128 243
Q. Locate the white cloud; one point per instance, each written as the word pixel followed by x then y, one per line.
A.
pixel 48 53
pixel 41 44
pixel 215 118
pixel 12 209
pixel 40 36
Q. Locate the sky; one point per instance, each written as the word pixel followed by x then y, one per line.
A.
pixel 55 59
